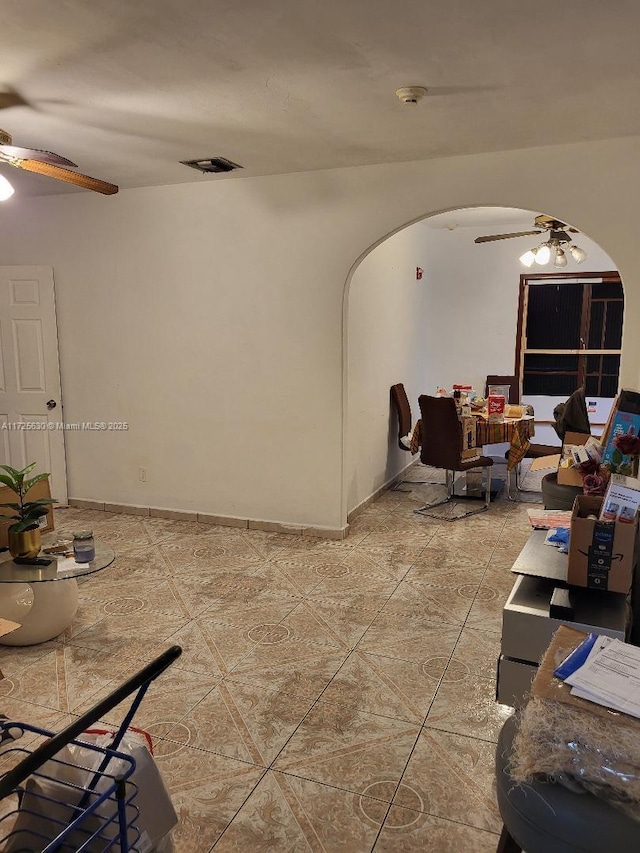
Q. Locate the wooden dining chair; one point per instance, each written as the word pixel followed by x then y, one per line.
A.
pixel 442 447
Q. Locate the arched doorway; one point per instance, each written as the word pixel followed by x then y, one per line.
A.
pixel 458 321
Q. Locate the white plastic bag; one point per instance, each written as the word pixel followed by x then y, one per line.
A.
pixel 49 804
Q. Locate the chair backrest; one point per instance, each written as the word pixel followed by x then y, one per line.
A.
pixel 511 381
pixel 401 402
pixel 572 416
pixel 441 433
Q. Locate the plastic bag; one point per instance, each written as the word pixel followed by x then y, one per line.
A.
pixel 51 798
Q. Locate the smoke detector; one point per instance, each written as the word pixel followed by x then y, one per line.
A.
pixel 411 94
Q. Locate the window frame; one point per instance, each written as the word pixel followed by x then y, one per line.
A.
pixel 610 277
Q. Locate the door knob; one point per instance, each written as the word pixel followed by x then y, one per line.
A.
pixel 51 404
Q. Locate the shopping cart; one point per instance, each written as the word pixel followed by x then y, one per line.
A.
pixel 50 802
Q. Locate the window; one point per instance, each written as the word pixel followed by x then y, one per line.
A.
pixel 569 334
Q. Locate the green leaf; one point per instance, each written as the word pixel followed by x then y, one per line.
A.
pixel 14 473
pixel 27 524
pixel 39 502
pixel 30 483
pixel 8 481
pixel 617 457
pixel 22 474
pixel 17 507
pixel 35 505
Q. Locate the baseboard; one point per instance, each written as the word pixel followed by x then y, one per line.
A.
pixel 208 518
pixel 373 497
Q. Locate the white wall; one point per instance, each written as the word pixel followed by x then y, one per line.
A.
pixel 473 300
pixel 387 344
pixel 210 316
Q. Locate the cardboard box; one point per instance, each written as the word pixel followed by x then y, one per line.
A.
pixel 6 627
pixel 469 449
pixel 545 463
pixel 571 476
pixel 602 554
pixel 40 490
pixel 621 500
pixel 495 407
pixel 547 686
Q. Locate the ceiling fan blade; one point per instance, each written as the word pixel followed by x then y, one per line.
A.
pixel 11 98
pixel 60 174
pixel 35 154
pixel 493 237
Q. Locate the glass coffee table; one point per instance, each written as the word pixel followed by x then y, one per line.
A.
pixel 43 599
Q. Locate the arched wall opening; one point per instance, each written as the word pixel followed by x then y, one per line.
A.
pixel 456 323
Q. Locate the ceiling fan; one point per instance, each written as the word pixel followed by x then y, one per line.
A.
pixel 541 223
pixel 556 245
pixel 49 164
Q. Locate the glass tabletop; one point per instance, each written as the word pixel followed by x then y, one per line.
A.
pixel 60 569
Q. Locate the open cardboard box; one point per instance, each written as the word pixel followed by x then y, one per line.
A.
pixel 40 490
pixel 602 554
pixel 571 476
pixel 547 686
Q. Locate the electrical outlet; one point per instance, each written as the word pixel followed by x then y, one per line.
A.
pixel 142 473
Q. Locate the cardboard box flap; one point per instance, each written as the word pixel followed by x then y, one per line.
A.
pixel 544 463
pixel 571 476
pixel 547 686
pixel 7 626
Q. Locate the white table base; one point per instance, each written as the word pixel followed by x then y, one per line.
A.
pixel 44 610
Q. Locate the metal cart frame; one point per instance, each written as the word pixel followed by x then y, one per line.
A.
pixel 94 813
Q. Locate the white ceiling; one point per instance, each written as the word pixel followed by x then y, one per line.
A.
pixel 127 88
pixel 484 217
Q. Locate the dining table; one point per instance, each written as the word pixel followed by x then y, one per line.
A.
pixel 515 432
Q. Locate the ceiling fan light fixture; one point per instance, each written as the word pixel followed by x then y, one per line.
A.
pixel 6 190
pixel 543 255
pixel 578 254
pixel 560 259
pixel 528 258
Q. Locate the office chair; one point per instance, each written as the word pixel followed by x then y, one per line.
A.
pixel 571 416
pixel 545 817
pixel 442 447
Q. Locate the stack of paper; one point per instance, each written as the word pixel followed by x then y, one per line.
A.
pixel 610 676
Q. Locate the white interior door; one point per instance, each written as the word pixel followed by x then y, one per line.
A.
pixel 31 422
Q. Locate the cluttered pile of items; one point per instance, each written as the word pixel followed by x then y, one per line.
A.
pixel 593 464
pixel 495 406
pixel 581 726
pixel 581 723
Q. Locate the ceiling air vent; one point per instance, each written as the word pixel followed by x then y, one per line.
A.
pixel 212 164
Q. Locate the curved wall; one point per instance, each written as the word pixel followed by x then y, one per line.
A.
pixel 457 324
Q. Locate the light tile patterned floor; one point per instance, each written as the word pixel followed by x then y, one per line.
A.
pixel 331 696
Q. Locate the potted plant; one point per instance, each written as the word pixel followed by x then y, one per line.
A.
pixel 24 534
